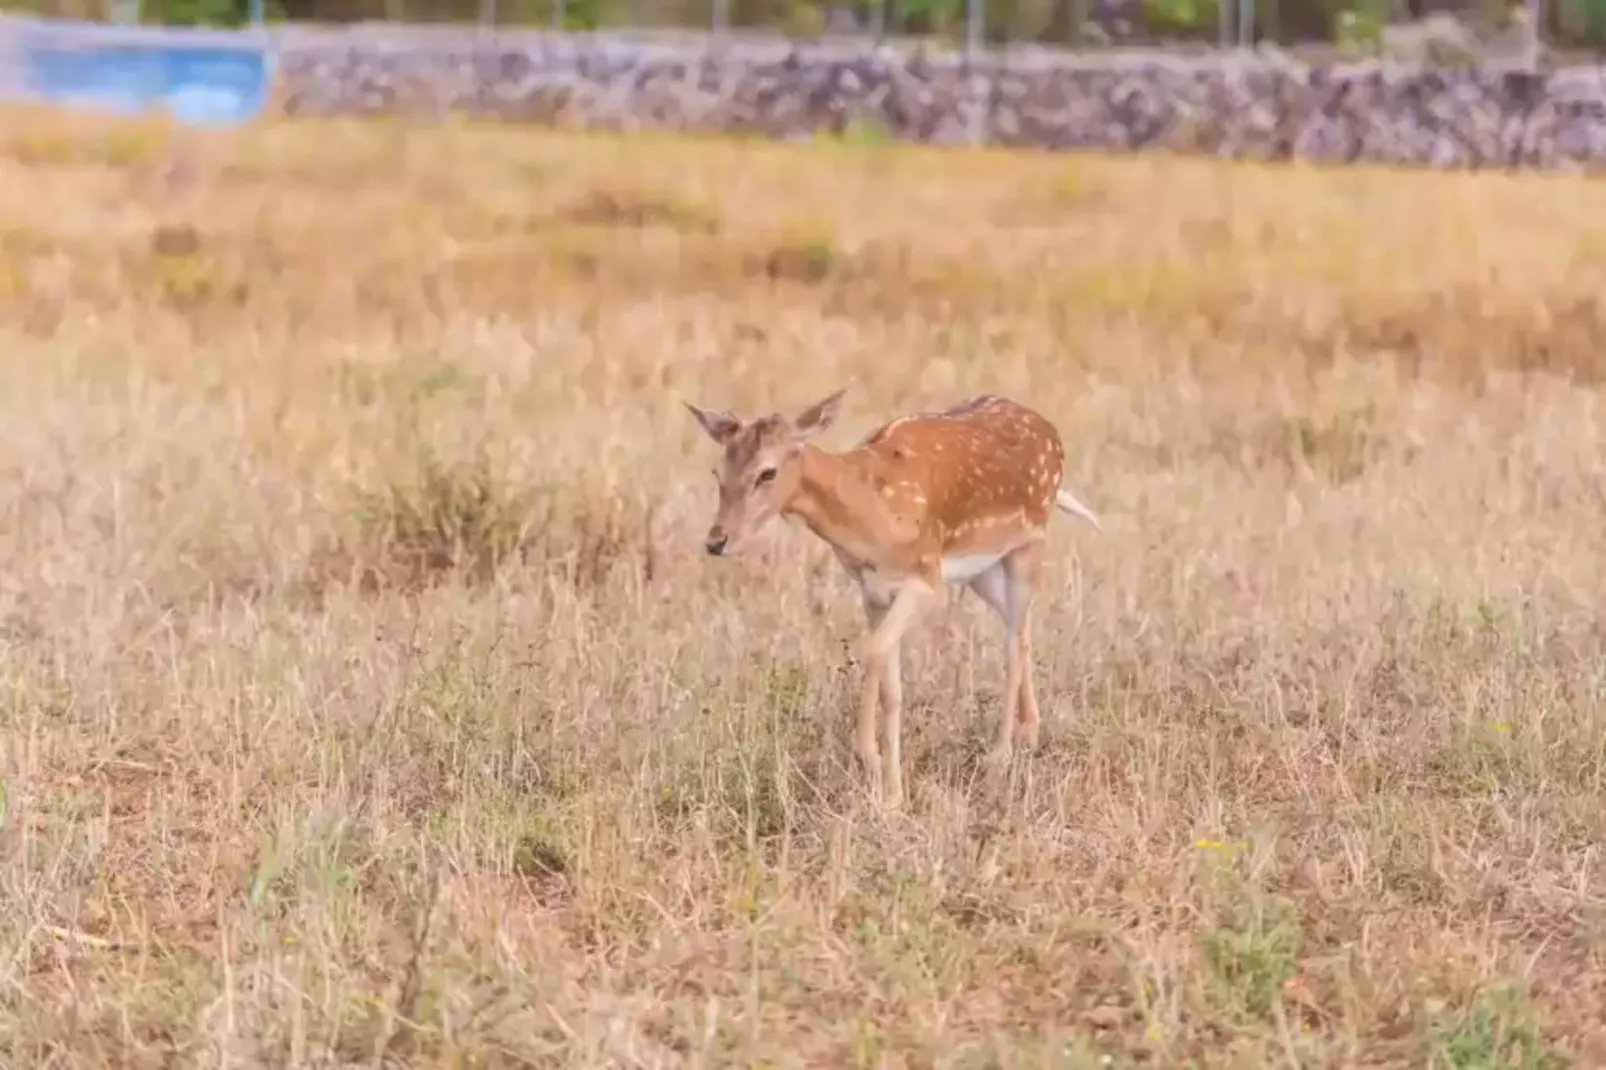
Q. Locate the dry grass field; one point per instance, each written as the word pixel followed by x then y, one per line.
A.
pixel 368 700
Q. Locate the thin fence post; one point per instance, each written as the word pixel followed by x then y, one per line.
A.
pixel 1536 30
pixel 975 12
pixel 719 16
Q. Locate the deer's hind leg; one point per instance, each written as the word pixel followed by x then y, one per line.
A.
pixel 1020 573
pixel 992 587
pixel 1007 588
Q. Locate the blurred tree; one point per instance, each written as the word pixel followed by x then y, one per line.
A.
pixel 205 12
pixel 1570 24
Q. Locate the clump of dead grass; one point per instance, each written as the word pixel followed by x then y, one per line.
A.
pixel 635 208
pixel 462 522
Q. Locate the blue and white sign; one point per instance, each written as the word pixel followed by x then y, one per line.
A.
pixel 205 77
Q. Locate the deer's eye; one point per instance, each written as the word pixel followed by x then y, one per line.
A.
pixel 764 477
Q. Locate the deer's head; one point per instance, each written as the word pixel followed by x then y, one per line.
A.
pixel 761 468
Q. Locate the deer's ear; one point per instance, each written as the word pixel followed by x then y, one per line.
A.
pixel 719 426
pixel 817 417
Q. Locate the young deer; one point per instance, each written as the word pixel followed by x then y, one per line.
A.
pixel 960 496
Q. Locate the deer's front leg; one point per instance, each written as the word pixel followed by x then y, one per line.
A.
pixel 883 680
pixel 875 612
pixel 892 724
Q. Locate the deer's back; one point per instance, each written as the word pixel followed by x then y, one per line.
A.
pixel 976 473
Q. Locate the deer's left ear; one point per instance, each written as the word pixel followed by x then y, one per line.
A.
pixel 817 417
pixel 719 426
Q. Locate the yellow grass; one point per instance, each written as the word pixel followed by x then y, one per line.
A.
pixel 366 695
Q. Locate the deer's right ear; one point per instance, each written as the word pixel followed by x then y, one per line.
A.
pixel 818 417
pixel 719 426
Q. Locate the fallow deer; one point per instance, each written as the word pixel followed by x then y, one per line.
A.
pixel 961 496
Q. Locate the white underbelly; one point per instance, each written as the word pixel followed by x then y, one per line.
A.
pixel 962 568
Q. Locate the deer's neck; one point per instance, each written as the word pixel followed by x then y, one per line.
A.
pixel 832 500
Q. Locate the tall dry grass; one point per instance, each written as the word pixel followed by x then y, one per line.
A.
pixel 366 697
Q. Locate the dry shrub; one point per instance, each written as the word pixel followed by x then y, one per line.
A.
pixel 186 275
pixel 446 521
pixel 1336 446
pixel 799 261
pixel 633 208
pixel 462 522
pixel 1561 337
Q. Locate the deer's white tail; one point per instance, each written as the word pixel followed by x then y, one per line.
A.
pixel 1069 503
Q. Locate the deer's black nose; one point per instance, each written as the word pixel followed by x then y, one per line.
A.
pixel 716 544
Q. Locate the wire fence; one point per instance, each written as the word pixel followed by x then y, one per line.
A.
pixel 1473 27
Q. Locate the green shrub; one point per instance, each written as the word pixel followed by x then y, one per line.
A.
pixel 1181 18
pixel 1359 30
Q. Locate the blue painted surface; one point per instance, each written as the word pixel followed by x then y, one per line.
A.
pixel 194 76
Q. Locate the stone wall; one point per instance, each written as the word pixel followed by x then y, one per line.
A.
pixel 1261 105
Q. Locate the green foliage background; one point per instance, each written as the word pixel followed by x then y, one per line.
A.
pixel 1352 24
